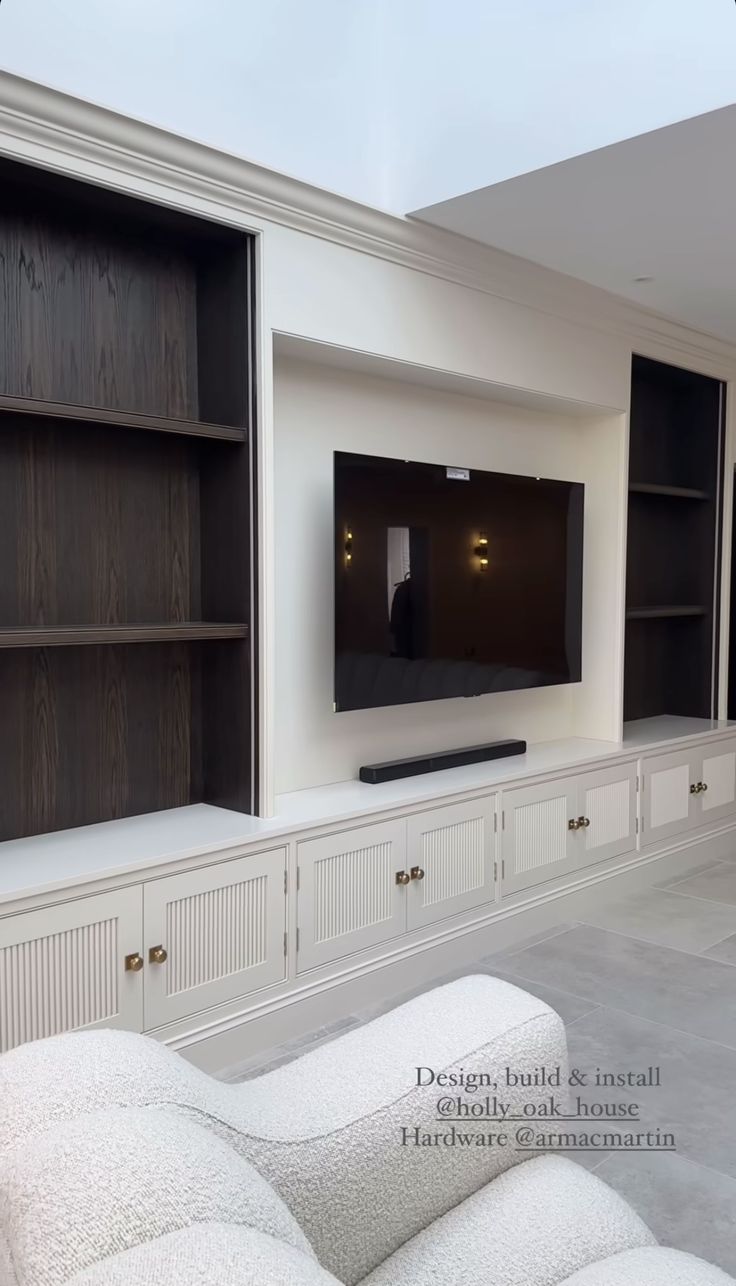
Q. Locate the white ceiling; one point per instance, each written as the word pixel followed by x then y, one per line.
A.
pixel 398 103
pixel 660 206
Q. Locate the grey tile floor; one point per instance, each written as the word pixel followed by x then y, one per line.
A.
pixel 646 980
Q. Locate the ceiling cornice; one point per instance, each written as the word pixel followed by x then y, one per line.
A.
pixel 47 127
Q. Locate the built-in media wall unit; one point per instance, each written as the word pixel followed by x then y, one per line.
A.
pixel 291 488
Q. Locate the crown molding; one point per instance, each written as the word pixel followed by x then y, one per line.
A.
pixel 47 127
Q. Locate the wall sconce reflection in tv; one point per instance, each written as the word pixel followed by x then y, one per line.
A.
pixel 481 552
pixel 348 547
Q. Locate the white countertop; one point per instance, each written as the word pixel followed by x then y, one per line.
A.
pixel 48 863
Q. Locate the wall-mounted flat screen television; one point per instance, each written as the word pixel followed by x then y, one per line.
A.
pixel 452 582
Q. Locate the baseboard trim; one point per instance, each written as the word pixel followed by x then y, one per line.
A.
pixel 311 1004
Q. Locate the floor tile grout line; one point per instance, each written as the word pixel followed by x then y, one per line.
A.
pixel 651 942
pixel 652 1022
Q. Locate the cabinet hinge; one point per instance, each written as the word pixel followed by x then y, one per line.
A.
pixel 495 872
pixel 298 877
pixel 286 881
pixel 503 868
pixel 495 821
pixel 286 939
pixel 637 825
pixel 503 819
pixel 298 935
pixel 637 781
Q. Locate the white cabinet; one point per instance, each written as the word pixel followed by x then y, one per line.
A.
pixel 213 934
pixel 450 861
pixel 64 967
pixel 348 897
pixel 687 789
pixel 363 887
pixel 564 826
pixel 607 799
pixel 717 780
pixel 667 795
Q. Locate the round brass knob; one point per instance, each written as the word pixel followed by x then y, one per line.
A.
pixel 158 955
pixel 417 873
pixel 573 824
pixel 402 877
pixel 694 788
pixel 703 785
pixel 134 962
pixel 584 821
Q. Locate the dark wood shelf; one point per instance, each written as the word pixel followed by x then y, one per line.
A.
pixel 676 493
pixel 97 415
pixel 664 613
pixel 75 635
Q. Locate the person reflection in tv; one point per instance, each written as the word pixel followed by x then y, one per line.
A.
pixel 401 621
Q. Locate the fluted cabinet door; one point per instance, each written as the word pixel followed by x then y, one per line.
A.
pixel 718 778
pixel 64 968
pixel 608 806
pixel 450 860
pixel 348 897
pixel 668 804
pixel 213 935
pixel 537 844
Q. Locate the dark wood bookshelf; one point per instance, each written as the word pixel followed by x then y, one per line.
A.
pixel 97 415
pixel 126 581
pixel 663 613
pixel 674 493
pixel 79 635
pixel 676 444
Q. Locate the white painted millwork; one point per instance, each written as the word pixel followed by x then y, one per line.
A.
pixel 348 898
pixel 455 848
pixel 537 842
pixel 668 804
pixel 222 928
pixel 63 968
pixel 566 825
pixel 608 800
pixel 718 773
pixel 228 906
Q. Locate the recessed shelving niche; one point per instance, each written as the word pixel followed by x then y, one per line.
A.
pixel 126 400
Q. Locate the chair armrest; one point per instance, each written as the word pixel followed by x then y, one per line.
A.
pixel 351 1134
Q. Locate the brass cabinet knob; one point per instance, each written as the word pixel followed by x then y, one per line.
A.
pixel 573 824
pixel 158 955
pixel 402 877
pixel 134 962
pixel 417 873
pixel 703 785
pixel 694 787
pixel 584 822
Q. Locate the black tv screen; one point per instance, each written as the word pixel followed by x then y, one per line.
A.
pixel 452 582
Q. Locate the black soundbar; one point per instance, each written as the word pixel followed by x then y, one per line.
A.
pixel 373 774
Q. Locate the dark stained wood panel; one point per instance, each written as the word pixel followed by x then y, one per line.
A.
pixel 94 318
pixel 97 733
pixel 97 527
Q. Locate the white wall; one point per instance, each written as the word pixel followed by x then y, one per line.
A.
pixel 319 409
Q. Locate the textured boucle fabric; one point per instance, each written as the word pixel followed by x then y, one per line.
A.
pixel 208 1255
pixel 534 1226
pixel 326 1129
pixel 100 1184
pixel 650 1267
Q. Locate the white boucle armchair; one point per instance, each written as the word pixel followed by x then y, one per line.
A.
pixel 120 1163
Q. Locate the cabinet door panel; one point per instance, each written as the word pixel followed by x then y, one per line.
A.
pixel 454 847
pixel 348 898
pixel 537 842
pixel 223 932
pixel 719 774
pixel 63 968
pixel 667 804
pixel 608 800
